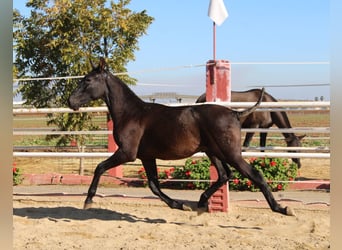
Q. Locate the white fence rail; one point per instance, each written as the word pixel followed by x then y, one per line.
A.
pixel 321 130
pixel 105 155
pixel 265 106
pixel 284 106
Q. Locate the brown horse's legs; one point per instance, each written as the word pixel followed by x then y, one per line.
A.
pixel 115 160
pixel 152 176
pixel 223 173
pixel 248 139
pixel 255 176
pixel 263 137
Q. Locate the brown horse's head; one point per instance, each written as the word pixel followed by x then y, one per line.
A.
pixel 295 141
pixel 91 87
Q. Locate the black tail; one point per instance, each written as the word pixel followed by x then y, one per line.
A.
pixel 253 108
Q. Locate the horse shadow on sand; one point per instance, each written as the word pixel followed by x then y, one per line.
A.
pixel 68 214
pixel 72 213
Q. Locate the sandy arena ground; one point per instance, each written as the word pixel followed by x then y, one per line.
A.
pixel 59 222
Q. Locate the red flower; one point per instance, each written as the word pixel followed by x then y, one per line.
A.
pixel 188 173
pixel 14 170
pixel 73 143
pixel 249 183
pixel 236 181
pixel 251 160
pixel 280 187
pixel 273 163
pixel 168 174
pixel 193 162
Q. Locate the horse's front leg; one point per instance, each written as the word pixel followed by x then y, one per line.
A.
pixel 115 160
pixel 152 177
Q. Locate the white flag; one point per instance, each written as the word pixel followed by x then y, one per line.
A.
pixel 217 11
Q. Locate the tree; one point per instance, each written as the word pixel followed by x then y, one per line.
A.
pixel 60 37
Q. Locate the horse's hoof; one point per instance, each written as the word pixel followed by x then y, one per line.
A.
pixel 186 207
pixel 290 211
pixel 87 205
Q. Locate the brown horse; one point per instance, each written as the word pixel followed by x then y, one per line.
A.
pixel 263 119
pixel 149 131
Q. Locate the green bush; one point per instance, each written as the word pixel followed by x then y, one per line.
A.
pixel 276 171
pixel 196 175
pixel 193 170
pixel 162 175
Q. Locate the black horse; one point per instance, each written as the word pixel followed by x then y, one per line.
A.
pixel 264 119
pixel 149 131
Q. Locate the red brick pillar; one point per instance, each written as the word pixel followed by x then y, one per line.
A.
pixel 112 147
pixel 218 88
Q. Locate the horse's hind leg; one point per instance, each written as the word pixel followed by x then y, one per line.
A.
pixel 152 177
pixel 256 177
pixel 223 172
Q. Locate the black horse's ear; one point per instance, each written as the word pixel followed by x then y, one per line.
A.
pixel 301 137
pixel 102 64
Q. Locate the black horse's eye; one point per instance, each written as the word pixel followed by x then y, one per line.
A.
pixel 86 82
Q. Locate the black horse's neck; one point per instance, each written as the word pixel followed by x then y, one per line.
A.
pixel 120 99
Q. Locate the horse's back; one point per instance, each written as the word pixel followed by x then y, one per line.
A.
pixel 251 95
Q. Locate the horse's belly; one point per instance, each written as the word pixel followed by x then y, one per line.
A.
pixel 171 148
pixel 169 155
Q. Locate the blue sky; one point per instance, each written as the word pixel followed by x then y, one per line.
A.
pixel 255 31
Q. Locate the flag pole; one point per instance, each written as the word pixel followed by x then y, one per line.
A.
pixel 214 41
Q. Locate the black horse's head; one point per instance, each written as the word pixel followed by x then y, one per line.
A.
pixel 295 141
pixel 91 87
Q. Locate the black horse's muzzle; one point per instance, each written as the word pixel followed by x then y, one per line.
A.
pixel 72 104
